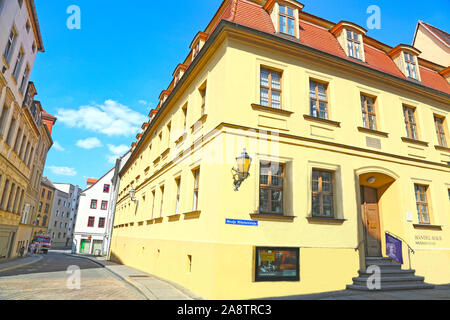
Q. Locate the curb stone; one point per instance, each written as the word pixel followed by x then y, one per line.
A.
pixel 22 265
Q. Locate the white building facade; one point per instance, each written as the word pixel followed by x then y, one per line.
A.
pixel 91 222
pixel 74 193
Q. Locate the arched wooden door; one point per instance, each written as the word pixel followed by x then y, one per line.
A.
pixel 371 221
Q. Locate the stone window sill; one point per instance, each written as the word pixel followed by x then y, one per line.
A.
pixel 192 215
pixel 325 220
pixel 427 226
pixel 441 148
pixel 271 217
pixel 324 121
pixel 199 123
pixel 174 217
pixel 418 142
pixel 375 132
pixel 281 112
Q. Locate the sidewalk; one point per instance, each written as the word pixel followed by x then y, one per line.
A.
pixel 152 287
pixel 19 263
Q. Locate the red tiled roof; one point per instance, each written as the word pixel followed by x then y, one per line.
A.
pixel 444 36
pixel 254 16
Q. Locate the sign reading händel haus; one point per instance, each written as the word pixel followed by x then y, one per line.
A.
pixel 346 141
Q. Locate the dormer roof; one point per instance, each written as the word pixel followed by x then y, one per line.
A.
pixel 345 25
pixel 270 3
pixel 200 36
pixel 403 47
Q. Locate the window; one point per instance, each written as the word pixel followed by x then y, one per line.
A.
pixel 101 223
pixel 57 213
pixel 16 144
pixel 440 131
pixel 319 101
pixel 91 222
pixel 277 264
pixel 322 194
pixel 410 123
pixel 162 202
pixel 104 205
pixel 40 206
pixel 270 88
pixel 368 111
pixel 47 207
pixel 93 204
pixel 287 20
pixel 12 128
pixel 4 118
pixel 177 205
pixel 354 44
pixel 106 188
pixel 18 64
pixel 28 26
pixel 203 100
pixel 422 203
pixel 185 118
pixel 410 64
pixel 10 45
pixel 153 202
pixel 196 188
pixel 24 82
pixel 271 188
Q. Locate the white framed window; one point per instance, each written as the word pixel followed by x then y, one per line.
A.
pixel 410 65
pixel 354 45
pixel 10 43
pixel 287 20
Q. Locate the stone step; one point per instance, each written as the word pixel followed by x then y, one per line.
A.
pixel 389 273
pixel 395 287
pixel 388 281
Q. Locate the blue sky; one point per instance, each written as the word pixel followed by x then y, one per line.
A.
pixel 102 80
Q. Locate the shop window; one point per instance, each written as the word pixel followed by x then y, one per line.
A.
pixel 277 264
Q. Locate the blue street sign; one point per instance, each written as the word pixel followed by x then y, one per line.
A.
pixel 241 222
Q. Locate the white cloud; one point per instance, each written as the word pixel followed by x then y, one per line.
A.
pixel 57 146
pixel 63 171
pixel 110 118
pixel 116 152
pixel 89 143
pixel 143 102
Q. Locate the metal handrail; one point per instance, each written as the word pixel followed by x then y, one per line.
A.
pixel 409 247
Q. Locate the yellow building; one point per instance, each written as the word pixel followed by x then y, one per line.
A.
pixel 47 192
pixel 25 127
pixel 349 144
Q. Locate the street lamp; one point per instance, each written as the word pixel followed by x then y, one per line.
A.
pixel 240 174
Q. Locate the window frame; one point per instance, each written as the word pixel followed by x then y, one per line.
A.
pixel 366 113
pixel 419 203
pixel 440 130
pixel 91 222
pixel 321 194
pixel 318 100
pixel 271 188
pixel 101 223
pixel 408 123
pixel 104 205
pixel 196 189
pixel 257 258
pixel 286 17
pixel 270 88
pixel 351 41
pixel 106 187
pixel 410 61
pixel 94 203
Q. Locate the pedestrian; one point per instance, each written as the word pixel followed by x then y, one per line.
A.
pixel 29 252
pixel 21 251
pixel 32 249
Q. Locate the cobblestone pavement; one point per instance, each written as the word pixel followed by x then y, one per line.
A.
pixel 48 278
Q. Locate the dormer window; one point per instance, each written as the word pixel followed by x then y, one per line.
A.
pixel 197 43
pixel 405 57
pixel 351 39
pixel 285 16
pixel 287 20
pixel 354 45
pixel 410 65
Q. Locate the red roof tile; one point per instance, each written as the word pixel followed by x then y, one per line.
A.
pixel 253 15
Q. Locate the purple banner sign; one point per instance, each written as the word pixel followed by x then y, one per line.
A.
pixel 394 248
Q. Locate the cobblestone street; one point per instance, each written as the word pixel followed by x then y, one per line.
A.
pixel 47 280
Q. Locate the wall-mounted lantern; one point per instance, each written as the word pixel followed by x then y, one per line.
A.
pixel 242 172
pixel 132 196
